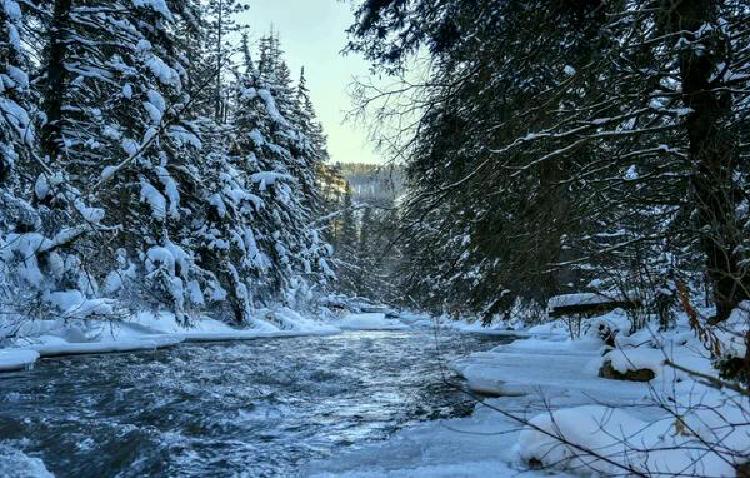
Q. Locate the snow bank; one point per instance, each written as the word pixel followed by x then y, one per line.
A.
pixel 144 331
pixel 585 431
pixel 560 368
pixel 426 321
pixel 469 447
pixel 581 298
pixel 373 321
pixel 17 359
pixel 554 415
pixel 609 441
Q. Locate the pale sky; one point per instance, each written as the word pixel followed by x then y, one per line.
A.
pixel 312 34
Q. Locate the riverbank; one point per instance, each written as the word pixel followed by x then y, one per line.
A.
pixel 149 331
pixel 544 408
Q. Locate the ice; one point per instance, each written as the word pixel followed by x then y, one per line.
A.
pixel 16 464
pixel 17 359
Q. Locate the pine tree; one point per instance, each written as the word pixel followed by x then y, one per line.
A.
pixel 220 25
pixel 40 272
pixel 599 144
pixel 131 191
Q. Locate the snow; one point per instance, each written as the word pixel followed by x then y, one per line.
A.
pixel 269 178
pixel 170 189
pixel 15 359
pixel 131 147
pixel 548 391
pixel 158 6
pixel 72 304
pixel 157 100
pixel 182 137
pixel 166 75
pixel 41 187
pixel 582 298
pixel 216 201
pixel 108 172
pixel 371 321
pixel 157 202
pixel 271 107
pixel 478 446
pixel 12 9
pixel 145 331
pixel 582 427
pixel 92 215
pixel 24 248
pixel 127 91
pixel 611 442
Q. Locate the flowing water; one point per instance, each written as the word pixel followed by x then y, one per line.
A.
pixel 253 408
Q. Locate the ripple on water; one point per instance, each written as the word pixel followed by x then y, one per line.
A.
pixel 257 408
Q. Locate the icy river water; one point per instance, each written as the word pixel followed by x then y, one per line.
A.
pixel 253 408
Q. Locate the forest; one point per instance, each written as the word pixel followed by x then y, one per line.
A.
pixel 141 171
pixel 558 235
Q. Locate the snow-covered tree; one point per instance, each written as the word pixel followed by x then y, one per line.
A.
pixel 537 158
pixel 124 189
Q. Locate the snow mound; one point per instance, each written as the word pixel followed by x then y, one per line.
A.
pixel 372 321
pixel 581 298
pixel 594 438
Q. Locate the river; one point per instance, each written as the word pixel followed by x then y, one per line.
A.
pixel 253 408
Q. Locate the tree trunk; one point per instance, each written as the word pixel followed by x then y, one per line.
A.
pixel 56 80
pixel 217 94
pixel 712 153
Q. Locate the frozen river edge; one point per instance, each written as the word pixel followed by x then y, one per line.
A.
pixel 147 331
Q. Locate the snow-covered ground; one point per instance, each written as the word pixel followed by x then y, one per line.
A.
pixel 17 358
pixel 369 321
pixel 148 331
pixel 424 320
pixel 144 331
pixel 548 391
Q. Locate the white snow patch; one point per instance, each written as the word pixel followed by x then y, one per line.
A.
pixel 372 321
pixel 17 359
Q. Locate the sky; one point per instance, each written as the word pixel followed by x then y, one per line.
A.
pixel 313 34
